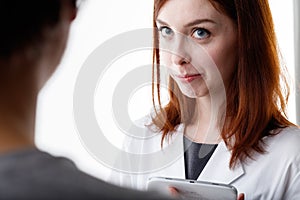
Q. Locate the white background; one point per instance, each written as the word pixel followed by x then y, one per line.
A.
pixel 97 22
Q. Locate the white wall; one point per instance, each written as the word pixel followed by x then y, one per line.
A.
pixel 97 22
pixel 284 21
pixel 297 55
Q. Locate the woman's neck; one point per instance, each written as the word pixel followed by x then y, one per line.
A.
pixel 205 124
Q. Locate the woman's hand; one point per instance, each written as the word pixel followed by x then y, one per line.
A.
pixel 241 196
pixel 175 193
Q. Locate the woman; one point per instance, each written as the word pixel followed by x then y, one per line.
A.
pixel 241 138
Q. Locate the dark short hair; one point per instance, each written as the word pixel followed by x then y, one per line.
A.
pixel 23 21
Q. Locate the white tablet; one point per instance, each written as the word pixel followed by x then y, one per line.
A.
pixel 191 189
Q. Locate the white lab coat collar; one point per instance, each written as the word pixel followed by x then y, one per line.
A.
pixel 217 168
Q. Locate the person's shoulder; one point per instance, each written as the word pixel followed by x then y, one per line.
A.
pixel 30 158
pixel 33 174
pixel 289 135
pixel 145 120
pixel 286 142
pixel 42 166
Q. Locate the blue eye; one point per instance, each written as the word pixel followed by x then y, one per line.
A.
pixel 166 31
pixel 201 33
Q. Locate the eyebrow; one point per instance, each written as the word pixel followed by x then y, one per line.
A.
pixel 192 23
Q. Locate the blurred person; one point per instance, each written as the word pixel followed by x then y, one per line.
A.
pixel 33 38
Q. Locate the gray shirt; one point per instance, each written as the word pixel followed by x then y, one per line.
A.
pixel 196 156
pixel 33 174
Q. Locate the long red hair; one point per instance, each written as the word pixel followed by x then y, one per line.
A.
pixel 257 94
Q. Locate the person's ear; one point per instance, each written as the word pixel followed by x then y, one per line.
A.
pixel 71 6
pixel 73 13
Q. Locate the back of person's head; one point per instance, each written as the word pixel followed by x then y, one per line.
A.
pixel 26 22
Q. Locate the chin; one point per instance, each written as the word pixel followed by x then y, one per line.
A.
pixel 195 94
pixel 192 93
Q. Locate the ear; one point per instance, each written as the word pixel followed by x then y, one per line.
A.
pixel 73 13
pixel 71 6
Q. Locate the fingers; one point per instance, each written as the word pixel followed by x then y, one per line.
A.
pixel 241 196
pixel 174 192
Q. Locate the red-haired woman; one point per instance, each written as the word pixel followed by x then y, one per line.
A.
pixel 225 119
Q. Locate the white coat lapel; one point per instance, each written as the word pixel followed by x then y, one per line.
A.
pixel 217 169
pixel 176 151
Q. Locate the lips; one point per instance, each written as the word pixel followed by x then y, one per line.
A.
pixel 189 78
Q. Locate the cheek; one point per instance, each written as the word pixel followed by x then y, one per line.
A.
pixel 165 58
pixel 225 59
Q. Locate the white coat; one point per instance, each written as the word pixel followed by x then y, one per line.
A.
pixel 272 175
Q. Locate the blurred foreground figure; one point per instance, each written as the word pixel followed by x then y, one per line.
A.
pixel 33 38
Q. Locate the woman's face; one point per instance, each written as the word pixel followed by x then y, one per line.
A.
pixel 194 35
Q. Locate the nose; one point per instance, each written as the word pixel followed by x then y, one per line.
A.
pixel 179 59
pixel 180 52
